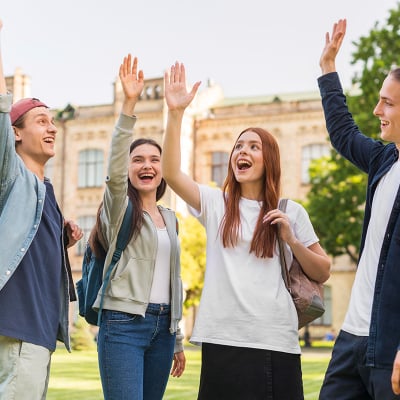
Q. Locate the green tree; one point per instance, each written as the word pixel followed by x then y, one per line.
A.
pixel 337 195
pixel 82 337
pixel 193 258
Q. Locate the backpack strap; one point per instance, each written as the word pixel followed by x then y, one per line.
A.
pixel 283 250
pixel 122 241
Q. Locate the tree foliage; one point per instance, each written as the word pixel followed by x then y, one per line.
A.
pixel 193 258
pixel 335 204
pixel 337 195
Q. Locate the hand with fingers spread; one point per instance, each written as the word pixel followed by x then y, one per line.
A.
pixel 176 93
pixel 132 82
pixel 332 46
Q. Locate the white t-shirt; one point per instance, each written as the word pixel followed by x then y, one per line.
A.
pixel 358 317
pixel 244 301
pixel 161 287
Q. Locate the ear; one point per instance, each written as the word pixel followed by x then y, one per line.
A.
pixel 17 134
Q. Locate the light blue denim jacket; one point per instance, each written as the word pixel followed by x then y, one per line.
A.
pixel 22 196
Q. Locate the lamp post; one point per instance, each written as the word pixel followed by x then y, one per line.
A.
pixel 63 116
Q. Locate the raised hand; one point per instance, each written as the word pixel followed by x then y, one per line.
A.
pixel 176 93
pixel 132 82
pixel 332 46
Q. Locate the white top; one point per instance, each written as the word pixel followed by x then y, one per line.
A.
pixel 358 315
pixel 160 288
pixel 244 301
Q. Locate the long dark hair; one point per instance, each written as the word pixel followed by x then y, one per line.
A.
pixel 264 236
pixel 96 238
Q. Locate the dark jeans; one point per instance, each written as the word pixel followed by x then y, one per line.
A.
pixel 135 353
pixel 238 373
pixel 347 376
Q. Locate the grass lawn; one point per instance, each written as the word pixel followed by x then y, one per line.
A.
pixel 75 376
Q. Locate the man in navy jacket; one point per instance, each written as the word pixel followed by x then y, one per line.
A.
pixel 365 361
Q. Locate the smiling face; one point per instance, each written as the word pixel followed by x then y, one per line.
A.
pixel 247 160
pixel 36 138
pixel 145 169
pixel 388 110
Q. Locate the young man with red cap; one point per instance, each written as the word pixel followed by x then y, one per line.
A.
pixel 35 276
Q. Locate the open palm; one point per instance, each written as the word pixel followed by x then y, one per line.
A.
pixel 132 80
pixel 176 93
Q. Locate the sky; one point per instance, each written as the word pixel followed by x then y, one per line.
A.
pixel 72 50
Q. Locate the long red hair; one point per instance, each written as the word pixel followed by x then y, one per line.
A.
pixel 264 236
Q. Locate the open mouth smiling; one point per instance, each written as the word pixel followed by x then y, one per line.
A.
pixel 146 177
pixel 243 164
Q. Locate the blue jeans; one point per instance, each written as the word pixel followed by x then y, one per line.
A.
pixel 135 353
pixel 347 376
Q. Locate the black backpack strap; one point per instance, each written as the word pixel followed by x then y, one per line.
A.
pixel 122 241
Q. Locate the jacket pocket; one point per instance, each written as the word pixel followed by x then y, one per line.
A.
pixel 132 282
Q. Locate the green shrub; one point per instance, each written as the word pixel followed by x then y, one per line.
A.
pixel 82 337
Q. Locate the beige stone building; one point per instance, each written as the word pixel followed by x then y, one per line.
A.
pixel 210 127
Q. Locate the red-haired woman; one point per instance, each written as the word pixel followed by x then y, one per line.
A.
pixel 247 323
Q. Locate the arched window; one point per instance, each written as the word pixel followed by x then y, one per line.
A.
pixel 149 92
pixel 90 170
pixel 157 92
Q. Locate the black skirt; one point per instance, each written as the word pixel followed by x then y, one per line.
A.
pixel 239 373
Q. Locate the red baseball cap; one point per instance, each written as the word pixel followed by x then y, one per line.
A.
pixel 19 108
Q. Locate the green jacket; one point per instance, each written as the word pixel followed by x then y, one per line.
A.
pixel 130 283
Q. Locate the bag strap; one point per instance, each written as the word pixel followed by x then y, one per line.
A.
pixel 283 250
pixel 122 241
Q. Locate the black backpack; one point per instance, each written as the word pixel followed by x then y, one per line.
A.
pixel 92 273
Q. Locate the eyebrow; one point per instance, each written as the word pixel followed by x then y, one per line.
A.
pixel 141 156
pixel 386 98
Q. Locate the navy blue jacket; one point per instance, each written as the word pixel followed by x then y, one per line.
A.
pixel 375 159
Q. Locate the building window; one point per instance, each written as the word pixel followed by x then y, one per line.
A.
pixel 90 171
pixel 157 92
pixel 149 92
pixel 86 223
pixel 219 166
pixel 326 318
pixel 309 153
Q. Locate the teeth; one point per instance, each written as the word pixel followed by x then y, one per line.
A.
pixel 242 164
